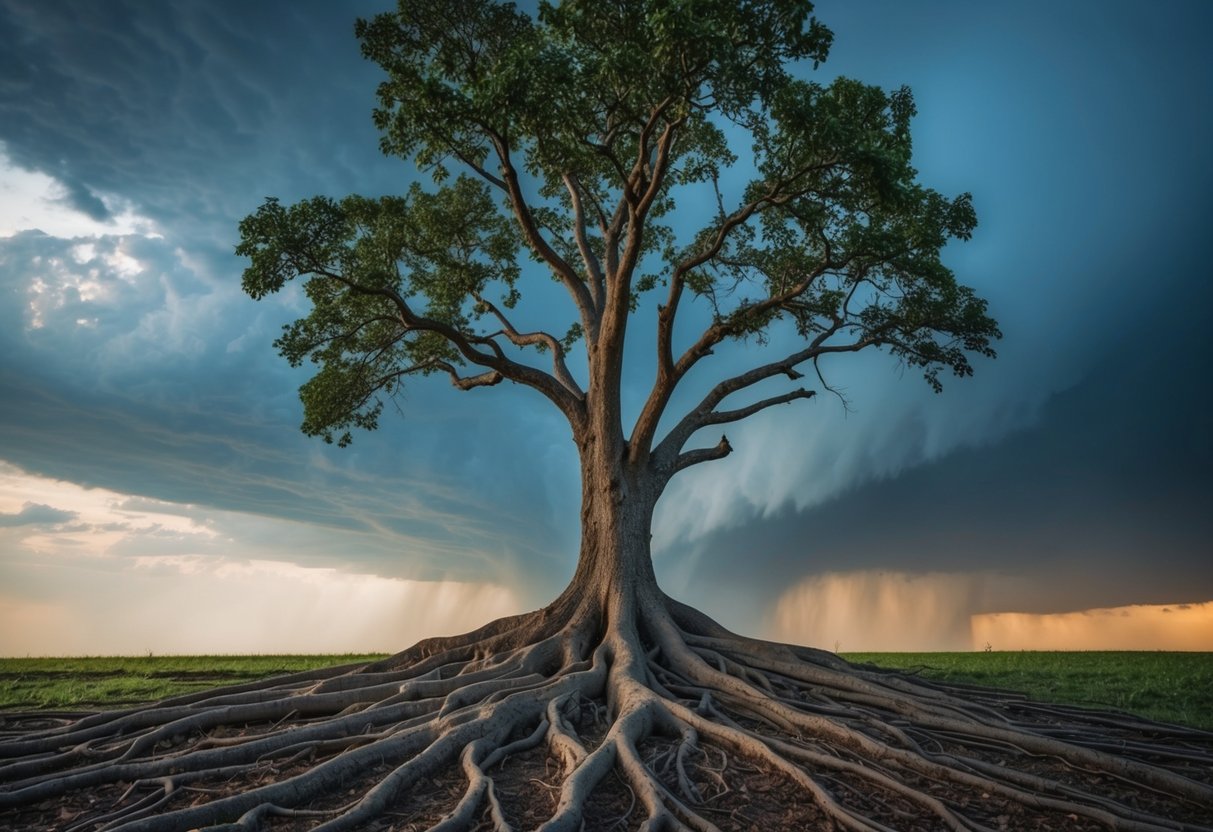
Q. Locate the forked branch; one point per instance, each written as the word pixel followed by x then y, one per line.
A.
pixel 556 391
pixel 534 238
pixel 560 368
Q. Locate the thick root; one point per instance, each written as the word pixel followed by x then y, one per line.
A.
pixel 566 720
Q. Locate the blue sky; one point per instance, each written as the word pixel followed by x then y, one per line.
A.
pixel 153 480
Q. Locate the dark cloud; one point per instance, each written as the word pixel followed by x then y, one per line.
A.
pixel 36 514
pixel 192 112
pixel 80 198
pixel 153 381
pixel 440 525
pixel 1078 461
pixel 1102 502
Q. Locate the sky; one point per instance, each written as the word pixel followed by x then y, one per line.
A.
pixel 156 494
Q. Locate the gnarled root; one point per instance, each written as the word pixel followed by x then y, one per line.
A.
pixel 574 718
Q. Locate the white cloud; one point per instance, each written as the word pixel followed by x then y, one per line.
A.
pixel 33 200
pixel 118 309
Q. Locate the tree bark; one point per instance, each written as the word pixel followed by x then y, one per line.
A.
pixel 614 576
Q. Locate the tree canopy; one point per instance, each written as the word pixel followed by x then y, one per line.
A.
pixel 569 141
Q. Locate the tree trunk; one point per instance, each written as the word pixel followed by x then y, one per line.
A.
pixel 614 577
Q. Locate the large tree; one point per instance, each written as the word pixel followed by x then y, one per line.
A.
pixel 601 145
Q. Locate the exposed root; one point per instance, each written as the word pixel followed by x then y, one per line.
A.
pixel 574 718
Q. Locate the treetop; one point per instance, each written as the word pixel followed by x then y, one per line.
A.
pixel 576 138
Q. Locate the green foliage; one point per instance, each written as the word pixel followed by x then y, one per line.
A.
pixel 363 259
pixel 578 133
pixel 1170 687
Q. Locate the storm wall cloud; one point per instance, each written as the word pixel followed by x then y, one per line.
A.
pixel 1071 473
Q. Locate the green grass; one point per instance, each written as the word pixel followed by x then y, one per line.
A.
pixel 1170 687
pixel 110 682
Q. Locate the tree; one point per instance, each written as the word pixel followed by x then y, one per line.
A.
pixel 568 143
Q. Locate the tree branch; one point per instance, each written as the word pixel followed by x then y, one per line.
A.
pixel 776 194
pixel 529 339
pixel 593 268
pixel 719 451
pixel 660 167
pixel 530 232
pixel 720 417
pixel 554 390
pixel 632 209
pixel 486 379
pixel 484 174
pixel 704 414
pixel 669 374
pixel 638 203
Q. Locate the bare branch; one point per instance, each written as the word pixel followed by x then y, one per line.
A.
pixel 720 417
pixel 702 414
pixel 846 403
pixel 593 268
pixel 529 339
pixel 568 402
pixel 486 379
pixel 530 231
pixel 719 451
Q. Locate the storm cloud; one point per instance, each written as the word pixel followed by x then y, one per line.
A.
pixel 1072 472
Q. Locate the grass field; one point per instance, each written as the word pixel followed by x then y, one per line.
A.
pixel 111 682
pixel 1172 687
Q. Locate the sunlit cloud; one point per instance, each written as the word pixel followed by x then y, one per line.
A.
pixel 144 304
pixel 94 571
pixel 47 515
pixel 32 199
pixel 1135 627
pixel 893 611
pixel 878 611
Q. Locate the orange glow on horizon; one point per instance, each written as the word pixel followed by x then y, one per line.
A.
pixel 878 611
pixel 1136 627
